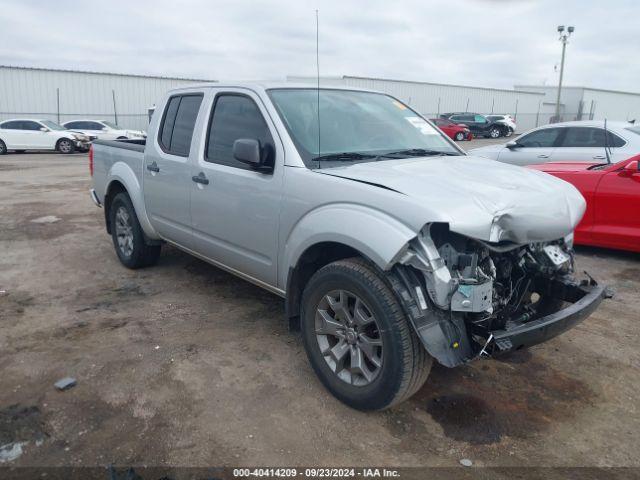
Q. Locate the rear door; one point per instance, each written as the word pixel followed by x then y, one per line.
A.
pixel 235 214
pixel 167 171
pixel 581 144
pixel 534 147
pixel 13 134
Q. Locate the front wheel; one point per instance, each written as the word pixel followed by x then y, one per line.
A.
pixel 508 132
pixel 358 339
pixel 127 236
pixel 459 136
pixel 65 145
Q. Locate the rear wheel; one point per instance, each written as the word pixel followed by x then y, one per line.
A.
pixel 127 236
pixel 494 132
pixel 65 145
pixel 3 148
pixel 357 338
pixel 459 136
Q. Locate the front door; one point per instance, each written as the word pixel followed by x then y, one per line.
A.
pixel 167 170
pixel 533 148
pixel 617 209
pixel 235 209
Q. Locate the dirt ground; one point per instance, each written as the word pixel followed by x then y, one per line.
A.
pixel 183 364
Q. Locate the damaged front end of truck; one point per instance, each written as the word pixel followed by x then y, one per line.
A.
pixel 468 298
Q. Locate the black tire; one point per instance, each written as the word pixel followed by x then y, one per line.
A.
pixel 141 253
pixel 508 132
pixel 122 138
pixel 405 362
pixel 459 136
pixel 3 148
pixel 65 146
pixel 495 132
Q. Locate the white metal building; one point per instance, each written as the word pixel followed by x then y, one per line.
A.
pixel 432 99
pixel 62 95
pixel 584 103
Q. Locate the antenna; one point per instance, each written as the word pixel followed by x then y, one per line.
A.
pixel 318 80
pixel 606 143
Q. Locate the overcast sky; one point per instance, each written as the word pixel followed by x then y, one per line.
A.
pixel 495 43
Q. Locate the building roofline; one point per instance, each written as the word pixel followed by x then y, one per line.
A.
pixel 571 87
pixel 437 84
pixel 105 73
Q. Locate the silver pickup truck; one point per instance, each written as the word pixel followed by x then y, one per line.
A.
pixel 390 245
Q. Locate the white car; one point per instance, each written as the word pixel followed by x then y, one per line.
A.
pixel 29 134
pixel 507 120
pixel 580 141
pixel 103 129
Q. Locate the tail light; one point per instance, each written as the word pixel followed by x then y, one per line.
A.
pixel 91 160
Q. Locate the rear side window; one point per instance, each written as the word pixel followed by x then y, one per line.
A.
pixel 178 122
pixel 544 138
pixel 234 117
pixel 590 138
pixel 13 125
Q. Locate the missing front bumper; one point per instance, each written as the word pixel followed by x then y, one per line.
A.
pixel 585 300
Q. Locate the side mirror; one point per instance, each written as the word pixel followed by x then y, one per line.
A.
pixel 247 150
pixel 631 168
pixel 512 145
pixel 44 129
pixel 104 129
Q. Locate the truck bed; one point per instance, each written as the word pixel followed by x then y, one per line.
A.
pixel 108 153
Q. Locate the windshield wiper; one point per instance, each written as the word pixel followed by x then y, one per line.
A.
pixel 344 156
pixel 418 152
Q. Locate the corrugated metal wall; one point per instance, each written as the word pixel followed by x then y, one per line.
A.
pixel 32 92
pixel 431 99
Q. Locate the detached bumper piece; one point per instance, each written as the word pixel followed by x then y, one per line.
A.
pixel 584 299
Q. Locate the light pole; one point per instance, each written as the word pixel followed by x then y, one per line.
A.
pixel 564 37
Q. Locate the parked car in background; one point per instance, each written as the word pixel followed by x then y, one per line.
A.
pixel 479 125
pixel 612 192
pixel 579 141
pixel 455 131
pixel 29 134
pixel 390 245
pixel 103 129
pixel 507 120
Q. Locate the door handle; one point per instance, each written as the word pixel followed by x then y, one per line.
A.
pixel 153 167
pixel 543 156
pixel 599 157
pixel 200 178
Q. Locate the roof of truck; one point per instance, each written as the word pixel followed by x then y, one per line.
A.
pixel 270 85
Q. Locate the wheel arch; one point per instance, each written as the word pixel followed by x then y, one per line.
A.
pixel 332 233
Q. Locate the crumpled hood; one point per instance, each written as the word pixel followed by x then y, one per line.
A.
pixel 478 197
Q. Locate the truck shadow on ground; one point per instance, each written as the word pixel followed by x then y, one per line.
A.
pixel 519 396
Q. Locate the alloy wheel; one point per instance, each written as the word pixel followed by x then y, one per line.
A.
pixel 124 231
pixel 349 337
pixel 65 146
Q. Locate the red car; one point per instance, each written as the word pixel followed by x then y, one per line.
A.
pixel 612 192
pixel 456 131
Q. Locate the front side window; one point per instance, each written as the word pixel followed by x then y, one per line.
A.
pixel 110 125
pixel 545 138
pixel 29 125
pixel 178 123
pixel 362 124
pixel 235 117
pixel 72 125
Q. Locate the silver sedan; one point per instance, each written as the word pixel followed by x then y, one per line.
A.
pixel 580 141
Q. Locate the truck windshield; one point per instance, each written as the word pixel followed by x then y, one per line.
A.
pixel 355 126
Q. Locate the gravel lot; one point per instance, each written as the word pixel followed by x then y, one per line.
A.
pixel 183 364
